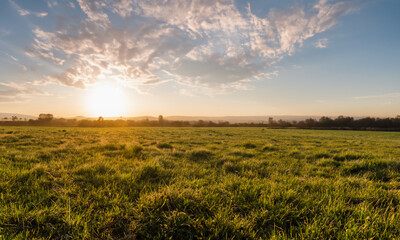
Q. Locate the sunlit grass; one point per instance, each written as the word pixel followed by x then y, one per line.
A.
pixel 190 183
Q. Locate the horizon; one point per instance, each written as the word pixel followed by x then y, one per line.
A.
pixel 198 117
pixel 227 58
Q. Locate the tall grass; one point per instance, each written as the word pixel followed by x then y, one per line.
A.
pixel 192 183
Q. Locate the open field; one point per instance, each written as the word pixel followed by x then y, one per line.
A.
pixel 190 183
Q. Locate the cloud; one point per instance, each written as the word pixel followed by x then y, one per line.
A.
pixel 24 12
pixel 51 4
pixel 202 43
pixel 124 8
pixel 16 61
pixel 4 32
pixel 386 95
pixel 92 10
pixel 18 92
pixel 12 57
pixel 40 14
pixel 321 43
pixel 187 92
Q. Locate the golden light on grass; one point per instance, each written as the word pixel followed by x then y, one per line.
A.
pixel 106 99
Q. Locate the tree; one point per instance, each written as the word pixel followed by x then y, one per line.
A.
pixel 45 117
pixel 14 118
pixel 309 122
pixel 325 122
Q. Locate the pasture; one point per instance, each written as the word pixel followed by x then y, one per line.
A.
pixel 198 183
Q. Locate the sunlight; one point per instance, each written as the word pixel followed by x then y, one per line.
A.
pixel 106 99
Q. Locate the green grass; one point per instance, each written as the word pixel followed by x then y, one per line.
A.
pixel 198 183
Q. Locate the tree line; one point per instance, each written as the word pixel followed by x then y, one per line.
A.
pixel 341 122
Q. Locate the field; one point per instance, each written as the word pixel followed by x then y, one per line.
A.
pixel 198 183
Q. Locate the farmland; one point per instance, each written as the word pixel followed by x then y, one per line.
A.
pixel 198 183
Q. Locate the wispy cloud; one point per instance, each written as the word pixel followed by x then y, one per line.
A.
pixel 12 92
pixel 208 44
pixel 386 95
pixel 12 57
pixel 4 32
pixel 16 61
pixel 24 12
pixel 187 92
pixel 321 43
pixel 51 4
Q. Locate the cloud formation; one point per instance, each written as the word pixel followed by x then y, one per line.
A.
pixel 386 95
pixel 12 92
pixel 321 43
pixel 24 12
pixel 205 43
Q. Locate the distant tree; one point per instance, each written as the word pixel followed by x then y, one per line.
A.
pixel 45 117
pixel 271 122
pixel 100 119
pixel 325 122
pixel 310 122
pixel 14 118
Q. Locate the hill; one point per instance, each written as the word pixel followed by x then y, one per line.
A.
pixel 23 116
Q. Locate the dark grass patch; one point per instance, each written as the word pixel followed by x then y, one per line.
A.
pixel 348 156
pixel 296 155
pixel 164 146
pixel 44 156
pixel 375 169
pixel 172 214
pixel 243 154
pixel 200 155
pixel 26 136
pixel 152 174
pixel 230 167
pixel 249 145
pixel 329 163
pixel 269 148
pixel 135 152
pixel 9 139
pixel 93 176
pixel 321 155
pixel 111 147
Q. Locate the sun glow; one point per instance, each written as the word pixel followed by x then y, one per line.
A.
pixel 107 99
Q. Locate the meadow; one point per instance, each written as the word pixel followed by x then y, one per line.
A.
pixel 198 183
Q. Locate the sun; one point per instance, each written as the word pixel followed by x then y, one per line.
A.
pixel 107 99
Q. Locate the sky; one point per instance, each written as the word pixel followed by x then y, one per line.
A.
pixel 200 57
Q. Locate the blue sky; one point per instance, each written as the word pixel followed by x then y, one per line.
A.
pixel 214 58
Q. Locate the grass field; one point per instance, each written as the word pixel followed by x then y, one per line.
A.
pixel 198 183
